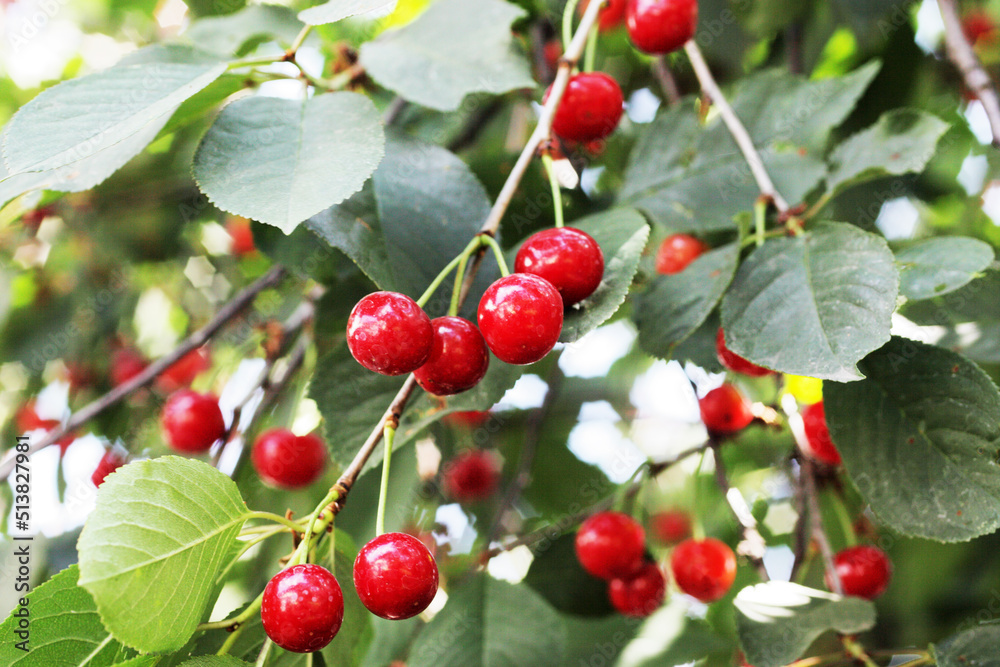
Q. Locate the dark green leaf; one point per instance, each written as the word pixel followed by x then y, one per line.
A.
pixel 557 576
pixel 978 301
pixel 938 266
pixel 670 637
pixel 973 648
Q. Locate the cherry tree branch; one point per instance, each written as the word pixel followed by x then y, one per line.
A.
pixel 960 53
pixel 752 546
pixel 663 76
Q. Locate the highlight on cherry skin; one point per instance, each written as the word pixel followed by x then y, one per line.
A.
pixel 589 109
pixel 567 257
pixel 302 608
pixel 704 569
pixel 521 317
pixel 676 253
pixel 611 545
pixel 387 332
pixel 395 576
pixel 192 422
pixel 288 461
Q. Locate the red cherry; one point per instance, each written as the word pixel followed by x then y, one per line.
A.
pixel 302 608
pixel 521 317
pixel 33 219
pixel 978 24
pixel 239 230
pixel 395 576
pixel 467 418
pixel 126 363
pixel 192 421
pixel 661 26
pixel 458 360
pixel 589 109
pixel 28 420
pixel 677 252
pixel 552 52
pixel 864 571
pixel 735 362
pixel 611 545
pixel 288 461
pixel 471 476
pixel 610 17
pixel 110 462
pixel 672 526
pixel 183 371
pixel 389 333
pixel 704 569
pixel 818 445
pixel 639 595
pixel 568 258
pixel 725 411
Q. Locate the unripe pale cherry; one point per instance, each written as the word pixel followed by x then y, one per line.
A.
pixel 568 258
pixel 389 333
pixel 302 608
pixel 396 576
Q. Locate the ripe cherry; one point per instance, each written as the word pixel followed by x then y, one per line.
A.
pixel 977 24
pixel 458 359
pixel 126 363
pixel 725 411
pixel 467 418
pixel 110 462
pixel 302 608
pixel 27 420
pixel 183 371
pixel 661 26
pixel 672 526
pixel 471 476
pixel 568 258
pixel 589 109
pixel 389 333
pixel 239 230
pixel 704 569
pixel 395 576
pixel 735 362
pixel 521 317
pixel 192 421
pixel 286 460
pixel 611 545
pixel 608 18
pixel 677 252
pixel 818 445
pixel 864 571
pixel 641 594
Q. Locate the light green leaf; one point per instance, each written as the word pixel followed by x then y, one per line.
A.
pixel 938 266
pixel 814 304
pixel 670 637
pixel 973 648
pixel 337 10
pixel 919 438
pixel 157 540
pixel 235 33
pixel 280 161
pixel 215 661
pixel 455 48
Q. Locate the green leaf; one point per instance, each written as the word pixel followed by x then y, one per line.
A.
pixel 215 661
pixel 557 575
pixel 490 623
pixel 814 304
pixel 675 305
pixel 973 648
pixel 351 644
pixel 65 628
pixel 919 438
pixel 337 10
pixel 901 142
pixel 157 540
pixel 273 159
pixel 778 620
pixel 455 48
pixel 938 266
pixel 978 301
pixel 670 637
pixel 230 35
pixel 596 641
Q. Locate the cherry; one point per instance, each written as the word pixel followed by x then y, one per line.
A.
pixel 521 317
pixel 978 24
pixel 110 462
pixel 288 461
pixel 725 411
pixel 33 219
pixel 239 230
pixel 183 371
pixel 641 594
pixel 661 26
pixel 395 576
pixel 302 608
pixel 864 571
pixel 818 445
pixel 389 333
pixel 610 17
pixel 27 420
pixel 677 252
pixel 467 418
pixel 471 476
pixel 611 545
pixel 458 359
pixel 672 526
pixel 568 258
pixel 126 363
pixel 589 109
pixel 704 569
pixel 192 421
pixel 735 362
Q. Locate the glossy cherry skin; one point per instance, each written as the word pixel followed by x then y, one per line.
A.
pixel 864 571
pixel 590 107
pixel 735 362
pixel 471 476
pixel 818 445
pixel 609 17
pixel 521 317
pixel 183 371
pixel 611 545
pixel 395 576
pixel 288 461
pixel 126 363
pixel 459 358
pixel 192 421
pixel 389 333
pixel 661 26
pixel 641 594
pixel 568 258
pixel 704 569
pixel 725 411
pixel 671 527
pixel 302 608
pixel 110 462
pixel 239 230
pixel 677 252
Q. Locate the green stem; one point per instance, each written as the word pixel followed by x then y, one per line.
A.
pixel 501 262
pixel 818 206
pixel 302 552
pixel 567 22
pixel 230 640
pixel 846 525
pixel 456 292
pixel 557 204
pixel 253 62
pixel 774 233
pixel 276 518
pixel 236 621
pixel 429 292
pixel 389 434
pixel 264 652
pixel 300 39
pixel 857 651
pixel 697 527
pixel 759 220
pixel 590 55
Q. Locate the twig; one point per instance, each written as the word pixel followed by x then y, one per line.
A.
pixel 816 524
pixel 752 546
pixel 666 80
pixel 801 523
pixel 394 111
pixel 964 57
pixel 793 45
pixel 228 312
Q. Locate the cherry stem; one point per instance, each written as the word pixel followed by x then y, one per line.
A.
pixel 850 538
pixel 236 621
pixel 857 651
pixel 265 651
pixel 298 41
pixel 567 22
pixel 497 252
pixel 276 518
pixel 473 245
pixel 760 220
pixel 698 526
pixel 389 434
pixel 302 552
pixel 557 204
pixel 590 55
pixel 456 292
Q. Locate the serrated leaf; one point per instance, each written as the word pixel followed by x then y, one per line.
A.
pixel 973 648
pixel 674 306
pixel 670 637
pixel 938 266
pixel 65 628
pixel 337 10
pixel 280 161
pixel 778 620
pixel 490 623
pixel 158 523
pixel 901 142
pixel 814 304
pixel 454 48
pixel 228 35
pixel 919 438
